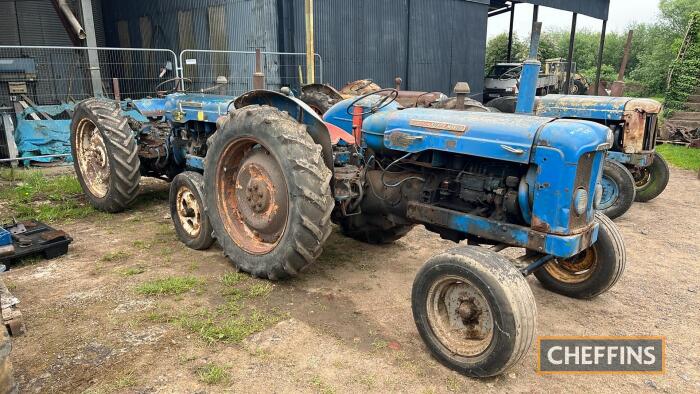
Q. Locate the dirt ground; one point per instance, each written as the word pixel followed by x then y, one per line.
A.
pixel 344 326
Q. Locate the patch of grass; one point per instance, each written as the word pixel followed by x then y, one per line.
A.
pixel 141 244
pixel 124 382
pixel 45 198
pixel 680 156
pixel 233 278
pixel 118 255
pixel 212 374
pixel 231 330
pixel 259 289
pixel 378 344
pixel 158 317
pixel 173 285
pixel 131 271
pixel 321 386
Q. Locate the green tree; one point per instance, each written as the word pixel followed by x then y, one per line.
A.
pixel 497 50
pixel 677 12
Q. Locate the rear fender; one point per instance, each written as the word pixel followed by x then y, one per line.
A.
pixel 322 88
pixel 298 110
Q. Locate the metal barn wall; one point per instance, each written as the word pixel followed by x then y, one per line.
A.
pixel 249 24
pixel 430 44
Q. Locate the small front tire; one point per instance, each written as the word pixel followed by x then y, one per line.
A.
pixel 591 272
pixel 474 311
pixel 618 190
pixel 187 211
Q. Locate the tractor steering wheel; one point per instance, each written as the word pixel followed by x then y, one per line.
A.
pixel 513 73
pixel 383 102
pixel 174 88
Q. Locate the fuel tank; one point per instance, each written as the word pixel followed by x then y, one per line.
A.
pixel 593 107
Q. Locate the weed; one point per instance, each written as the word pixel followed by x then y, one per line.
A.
pixel 193 267
pixel 141 244
pixel 119 255
pixel 131 271
pixel 259 289
pixel 212 374
pixel 173 285
pixel 367 381
pixel 158 317
pixel 231 330
pixel 321 386
pixel 125 381
pixel 233 278
pixel 379 344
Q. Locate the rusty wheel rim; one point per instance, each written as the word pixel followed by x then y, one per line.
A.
pixel 91 155
pixel 189 212
pixel 252 196
pixel 460 316
pixel 642 177
pixel 576 269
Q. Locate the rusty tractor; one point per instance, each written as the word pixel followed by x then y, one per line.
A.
pixel 633 170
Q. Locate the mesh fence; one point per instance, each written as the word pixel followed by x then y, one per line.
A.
pixel 54 75
pixel 202 67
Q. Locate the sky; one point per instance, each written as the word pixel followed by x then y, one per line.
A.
pixel 622 13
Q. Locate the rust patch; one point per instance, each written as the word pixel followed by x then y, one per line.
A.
pixel 539 225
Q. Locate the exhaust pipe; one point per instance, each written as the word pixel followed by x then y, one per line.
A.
pixel 529 75
pixel 71 19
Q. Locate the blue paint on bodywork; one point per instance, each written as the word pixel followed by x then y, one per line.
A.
pixel 582 107
pixel 528 87
pixel 191 106
pixel 194 162
pixel 498 136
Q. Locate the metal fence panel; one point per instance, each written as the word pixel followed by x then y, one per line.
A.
pixel 281 69
pixel 63 74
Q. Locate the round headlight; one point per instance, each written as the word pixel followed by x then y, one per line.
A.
pixel 580 201
pixel 598 195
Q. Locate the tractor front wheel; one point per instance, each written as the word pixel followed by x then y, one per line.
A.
pixel 105 154
pixel 651 181
pixel 267 192
pixel 618 190
pixel 474 310
pixel 591 272
pixel 187 210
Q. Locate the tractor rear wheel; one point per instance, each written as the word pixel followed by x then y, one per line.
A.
pixel 618 190
pixel 105 154
pixel 377 231
pixel 187 210
pixel 267 192
pixel 651 181
pixel 591 272
pixel 474 310
pixel 318 101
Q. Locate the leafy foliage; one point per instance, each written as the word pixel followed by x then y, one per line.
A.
pixel 654 47
pixel 686 70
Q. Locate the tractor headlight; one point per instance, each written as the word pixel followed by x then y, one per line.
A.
pixel 580 201
pixel 598 195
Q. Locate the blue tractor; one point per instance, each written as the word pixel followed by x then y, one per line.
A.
pixel 633 170
pixel 265 176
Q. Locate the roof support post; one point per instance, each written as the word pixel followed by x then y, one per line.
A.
pixel 570 57
pixel 600 58
pixel 535 15
pixel 510 32
pixel 91 40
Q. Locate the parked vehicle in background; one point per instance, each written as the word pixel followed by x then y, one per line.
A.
pixel 503 80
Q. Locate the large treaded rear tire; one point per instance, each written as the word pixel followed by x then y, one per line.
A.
pixel 307 178
pixel 121 152
pixel 318 101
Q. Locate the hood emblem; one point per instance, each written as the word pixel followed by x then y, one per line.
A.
pixel 429 124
